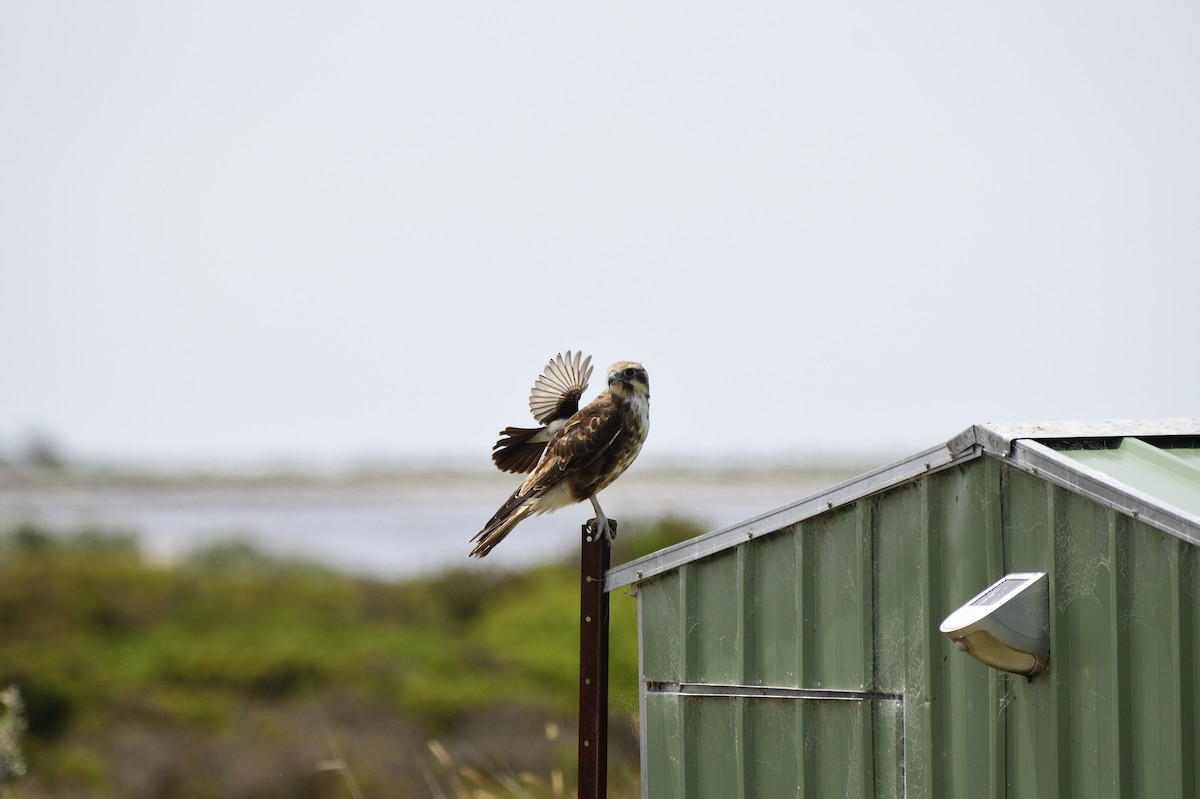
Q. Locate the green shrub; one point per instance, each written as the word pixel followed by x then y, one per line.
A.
pixel 141 679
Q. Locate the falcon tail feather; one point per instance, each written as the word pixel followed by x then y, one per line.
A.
pixel 520 449
pixel 509 516
pixel 557 390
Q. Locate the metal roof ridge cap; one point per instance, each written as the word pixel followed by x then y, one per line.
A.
pixel 1153 511
pixel 992 438
pixel 837 495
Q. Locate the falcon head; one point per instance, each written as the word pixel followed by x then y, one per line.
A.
pixel 627 379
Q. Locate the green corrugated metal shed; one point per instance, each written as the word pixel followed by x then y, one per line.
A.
pixel 798 654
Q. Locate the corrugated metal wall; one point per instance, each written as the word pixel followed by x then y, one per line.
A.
pixel 838 617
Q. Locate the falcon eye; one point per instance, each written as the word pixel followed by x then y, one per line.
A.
pixel 630 372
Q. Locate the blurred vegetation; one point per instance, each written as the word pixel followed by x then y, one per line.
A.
pixel 237 674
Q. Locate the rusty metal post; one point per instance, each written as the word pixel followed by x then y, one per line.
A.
pixel 593 663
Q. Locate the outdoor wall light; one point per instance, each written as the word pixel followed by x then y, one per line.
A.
pixel 1007 625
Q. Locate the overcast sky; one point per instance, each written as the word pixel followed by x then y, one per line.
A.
pixel 246 231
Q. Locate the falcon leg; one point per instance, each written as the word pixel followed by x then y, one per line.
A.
pixel 602 521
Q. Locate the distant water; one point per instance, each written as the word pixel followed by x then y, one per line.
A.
pixel 386 525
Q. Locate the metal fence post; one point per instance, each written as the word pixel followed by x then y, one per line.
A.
pixel 593 663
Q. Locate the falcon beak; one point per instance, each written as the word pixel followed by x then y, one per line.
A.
pixel 615 377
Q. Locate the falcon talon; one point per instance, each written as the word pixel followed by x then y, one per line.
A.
pixel 606 530
pixel 577 452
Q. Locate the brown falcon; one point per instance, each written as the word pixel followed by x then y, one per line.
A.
pixel 585 449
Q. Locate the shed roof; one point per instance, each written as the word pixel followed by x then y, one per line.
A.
pixel 1147 469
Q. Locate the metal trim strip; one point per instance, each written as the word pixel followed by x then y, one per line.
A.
pixel 931 460
pixel 767 692
pixel 643 752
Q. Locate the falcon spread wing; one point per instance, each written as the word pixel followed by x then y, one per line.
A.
pixel 553 400
pixel 591 450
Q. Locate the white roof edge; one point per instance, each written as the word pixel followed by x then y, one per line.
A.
pixel 995 439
